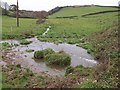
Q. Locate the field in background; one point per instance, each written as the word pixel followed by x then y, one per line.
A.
pixel 78 11
pixel 28 28
pixel 62 27
pixel 71 30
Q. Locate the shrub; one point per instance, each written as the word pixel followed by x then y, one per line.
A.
pixel 38 55
pixel 48 51
pixel 61 59
pixel 43 53
pixel 69 70
pixel 25 42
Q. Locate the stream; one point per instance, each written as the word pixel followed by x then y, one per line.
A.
pixel 79 56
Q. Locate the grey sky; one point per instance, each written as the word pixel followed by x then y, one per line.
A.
pixel 38 5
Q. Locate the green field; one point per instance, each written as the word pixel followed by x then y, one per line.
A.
pixel 78 11
pixel 28 28
pixel 63 27
pixel 76 28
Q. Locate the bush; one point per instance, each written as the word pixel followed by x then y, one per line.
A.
pixel 39 55
pixel 25 42
pixel 69 70
pixel 43 53
pixel 61 59
pixel 48 51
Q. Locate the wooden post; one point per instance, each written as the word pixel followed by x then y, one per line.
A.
pixel 17 14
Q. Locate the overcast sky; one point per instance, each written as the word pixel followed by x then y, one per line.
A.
pixel 38 5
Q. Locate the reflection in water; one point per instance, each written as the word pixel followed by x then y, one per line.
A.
pixel 78 55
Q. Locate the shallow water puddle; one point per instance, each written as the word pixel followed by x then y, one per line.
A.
pixel 78 55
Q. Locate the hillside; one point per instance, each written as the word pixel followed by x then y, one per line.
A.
pixel 80 10
pixel 76 28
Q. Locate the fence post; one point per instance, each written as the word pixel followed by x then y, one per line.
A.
pixel 17 14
